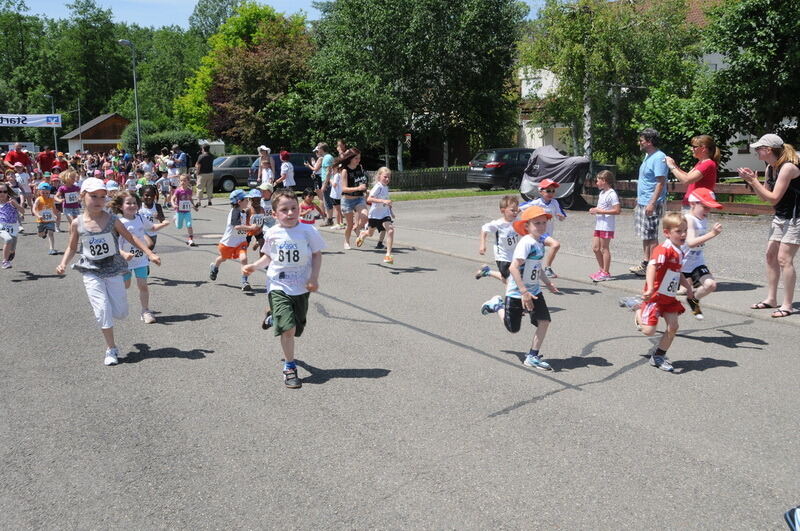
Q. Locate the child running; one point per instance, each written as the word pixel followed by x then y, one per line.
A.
pixel 152 212
pixel 309 210
pixel 380 213
pixel 69 194
pixel 523 292
pixel 127 204
pixel 293 257
pixel 233 245
pixel 100 263
pixel 183 204
pixel 605 212
pixel 256 218
pixel 43 209
pixel 547 201
pixel 23 179
pixel 10 212
pixel 661 287
pixel 505 239
pixel 701 201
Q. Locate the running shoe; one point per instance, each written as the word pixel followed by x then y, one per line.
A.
pixel 21 228
pixel 380 245
pixel 549 273
pixel 52 252
pixel 536 362
pixel 359 241
pixel 58 229
pixel 639 270
pixel 111 356
pixel 291 380
pixel 605 275
pixel 631 303
pixel 148 317
pixel 661 362
pixel 246 286
pixel 191 243
pixel 792 517
pixel 597 277
pixel 346 246
pixel 213 270
pixel 482 272
pixel 492 305
pixel 266 323
pixel 694 304
pixel 388 259
pixel 6 265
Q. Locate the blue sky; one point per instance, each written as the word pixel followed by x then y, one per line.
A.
pixel 156 12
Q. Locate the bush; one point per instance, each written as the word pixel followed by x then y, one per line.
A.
pixel 187 140
pixel 128 137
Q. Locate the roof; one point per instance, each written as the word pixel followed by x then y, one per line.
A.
pixel 91 123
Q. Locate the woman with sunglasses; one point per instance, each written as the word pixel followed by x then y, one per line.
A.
pixel 704 173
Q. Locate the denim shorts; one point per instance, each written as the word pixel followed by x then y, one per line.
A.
pixel 352 205
pixel 72 212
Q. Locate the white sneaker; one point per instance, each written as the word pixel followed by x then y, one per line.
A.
pixel 111 356
pixel 493 305
pixel 148 317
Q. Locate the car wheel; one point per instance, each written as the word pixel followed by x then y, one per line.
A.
pixel 485 187
pixel 514 182
pixel 227 185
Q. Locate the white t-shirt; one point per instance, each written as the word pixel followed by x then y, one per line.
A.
pixel 505 238
pixel 288 170
pixel 379 210
pixel 606 201
pixel 130 184
pixel 530 250
pixel 137 227
pixel 336 185
pixel 149 215
pixel 552 208
pixel 290 250
pixel 233 237
pixel 24 180
pixel 694 257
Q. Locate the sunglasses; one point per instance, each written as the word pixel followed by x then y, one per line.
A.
pixel 549 190
pixel 3 191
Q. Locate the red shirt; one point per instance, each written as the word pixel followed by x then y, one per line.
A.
pixel 45 160
pixel 668 260
pixel 709 179
pixel 15 156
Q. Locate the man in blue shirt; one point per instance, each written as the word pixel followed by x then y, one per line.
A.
pixel 651 195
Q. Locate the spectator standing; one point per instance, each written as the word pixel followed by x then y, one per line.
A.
pixel 205 174
pixel 45 159
pixel 180 159
pixel 704 173
pixel 18 155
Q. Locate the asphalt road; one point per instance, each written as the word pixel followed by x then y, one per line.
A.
pixel 415 412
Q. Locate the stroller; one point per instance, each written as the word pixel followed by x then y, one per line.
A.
pixel 547 163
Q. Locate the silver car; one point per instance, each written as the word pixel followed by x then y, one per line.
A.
pixel 231 171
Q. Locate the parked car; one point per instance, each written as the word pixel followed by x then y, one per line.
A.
pixel 231 171
pixel 499 167
pixel 302 174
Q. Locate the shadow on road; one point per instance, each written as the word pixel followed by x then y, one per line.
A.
pixel 144 352
pixel 250 293
pixel 575 291
pixel 29 275
pixel 398 270
pixel 171 283
pixel 702 364
pixel 566 364
pixel 169 319
pixel 320 376
pixel 730 340
pixel 736 286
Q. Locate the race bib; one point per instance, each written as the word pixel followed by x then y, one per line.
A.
pixel 98 246
pixel 257 219
pixel 670 283
pixel 10 228
pixel 46 215
pixel 71 197
pixel 534 277
pixel 184 206
pixel 289 254
pixel 135 251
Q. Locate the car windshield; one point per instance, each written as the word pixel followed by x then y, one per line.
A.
pixel 484 156
pixel 218 161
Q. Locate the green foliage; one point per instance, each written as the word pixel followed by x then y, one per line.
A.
pixel 128 136
pixel 187 140
pixel 209 15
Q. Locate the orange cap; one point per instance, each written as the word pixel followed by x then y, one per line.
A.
pixel 527 215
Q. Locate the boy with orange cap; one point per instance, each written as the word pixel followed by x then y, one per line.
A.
pixel 523 291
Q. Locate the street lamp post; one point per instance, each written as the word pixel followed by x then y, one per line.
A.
pixel 126 42
pixel 53 111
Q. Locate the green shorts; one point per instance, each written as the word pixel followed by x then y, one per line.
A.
pixel 288 311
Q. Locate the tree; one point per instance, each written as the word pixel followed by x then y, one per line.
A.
pixel 209 15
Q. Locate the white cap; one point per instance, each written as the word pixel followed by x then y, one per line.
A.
pixel 769 140
pixel 263 148
pixel 92 184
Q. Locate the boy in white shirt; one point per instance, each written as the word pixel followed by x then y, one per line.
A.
pixel 548 203
pixel 293 257
pixel 505 240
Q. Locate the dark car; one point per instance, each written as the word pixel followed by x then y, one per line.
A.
pixel 302 173
pixel 500 167
pixel 231 171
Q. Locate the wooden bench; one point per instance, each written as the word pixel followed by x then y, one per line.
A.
pixel 676 187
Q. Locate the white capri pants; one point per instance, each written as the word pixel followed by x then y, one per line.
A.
pixel 108 298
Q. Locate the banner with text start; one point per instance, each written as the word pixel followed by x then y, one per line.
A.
pixel 30 120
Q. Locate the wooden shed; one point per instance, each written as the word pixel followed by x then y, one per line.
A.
pixel 100 134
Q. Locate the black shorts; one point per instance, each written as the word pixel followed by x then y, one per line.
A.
pixel 696 274
pixel 514 311
pixel 317 180
pixel 378 223
pixel 504 268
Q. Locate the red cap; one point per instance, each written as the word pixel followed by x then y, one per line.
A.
pixel 285 156
pixel 704 196
pixel 548 183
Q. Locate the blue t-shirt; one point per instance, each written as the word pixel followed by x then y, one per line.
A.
pixel 327 161
pixel 652 166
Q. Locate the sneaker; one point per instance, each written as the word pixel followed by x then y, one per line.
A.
pixel 21 229
pixel 111 356
pixel 639 270
pixel 328 222
pixel 661 362
pixel 6 265
pixel 346 246
pixel 359 241
pixel 380 245
pixel 191 243
pixel 388 259
pixel 605 275
pixel 148 317
pixel 291 380
pixel 631 303
pixel 548 271
pixel 266 324
pixel 492 305
pixel 482 272
pixel 52 252
pixel 58 229
pixel 694 304
pixel 213 270
pixel 792 517
pixel 246 286
pixel 597 277
pixel 342 226
pixel 536 362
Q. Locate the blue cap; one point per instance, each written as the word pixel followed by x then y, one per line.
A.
pixel 112 185
pixel 44 186
pixel 254 194
pixel 237 195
